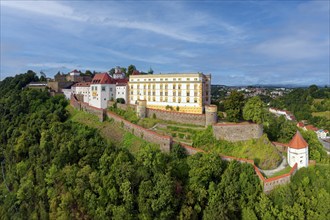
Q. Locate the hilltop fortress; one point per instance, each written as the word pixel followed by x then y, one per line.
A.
pixel 183 98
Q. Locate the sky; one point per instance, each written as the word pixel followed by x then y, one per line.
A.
pixel 238 42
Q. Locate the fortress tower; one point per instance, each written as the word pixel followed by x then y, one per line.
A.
pixel 211 114
pixel 298 151
pixel 141 108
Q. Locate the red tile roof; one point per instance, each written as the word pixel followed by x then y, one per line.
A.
pixel 102 78
pixel 300 124
pixel 121 81
pixel 82 84
pixel 311 128
pixel 298 142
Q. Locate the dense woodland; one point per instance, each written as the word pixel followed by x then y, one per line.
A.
pixel 53 168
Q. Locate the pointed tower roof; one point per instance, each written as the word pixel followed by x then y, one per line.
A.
pixel 298 142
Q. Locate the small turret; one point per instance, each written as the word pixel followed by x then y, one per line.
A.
pixel 141 108
pixel 211 114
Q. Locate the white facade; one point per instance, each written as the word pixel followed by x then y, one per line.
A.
pixel 67 93
pixel 100 94
pixel 82 90
pixel 119 75
pixel 187 93
pixel 121 92
pixel 299 156
pixel 74 73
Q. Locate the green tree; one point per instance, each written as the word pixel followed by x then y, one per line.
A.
pixel 150 71
pixel 234 105
pixel 254 110
pixel 130 69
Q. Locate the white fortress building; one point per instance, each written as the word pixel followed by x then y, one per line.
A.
pixel 186 92
pixel 102 89
pixel 298 151
pixel 82 88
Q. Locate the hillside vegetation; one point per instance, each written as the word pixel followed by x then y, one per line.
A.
pixel 55 168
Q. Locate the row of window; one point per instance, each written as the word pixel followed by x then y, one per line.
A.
pixel 165 99
pixel 174 86
pixel 165 79
pixel 165 93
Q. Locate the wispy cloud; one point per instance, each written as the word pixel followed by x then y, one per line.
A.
pixel 238 43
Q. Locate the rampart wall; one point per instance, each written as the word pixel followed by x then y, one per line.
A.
pixel 237 132
pixel 268 184
pixel 185 118
pixel 164 142
pixel 99 112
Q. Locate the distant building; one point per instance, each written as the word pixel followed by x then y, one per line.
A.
pixel 288 115
pixel 187 93
pixel 121 89
pixel 37 85
pixel 102 89
pixel 298 151
pixel 322 133
pixel 118 73
pixel 310 128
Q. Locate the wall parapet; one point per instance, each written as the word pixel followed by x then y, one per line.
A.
pixel 268 183
pixel 164 142
pixel 237 132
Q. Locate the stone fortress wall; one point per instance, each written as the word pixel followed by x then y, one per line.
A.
pixel 229 132
pixel 237 132
pixel 165 142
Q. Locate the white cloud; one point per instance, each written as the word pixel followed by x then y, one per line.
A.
pixel 290 48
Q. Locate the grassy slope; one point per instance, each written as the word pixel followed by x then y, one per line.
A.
pixel 322 114
pixel 264 154
pixel 108 130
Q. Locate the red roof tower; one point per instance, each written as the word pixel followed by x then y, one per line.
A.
pixel 298 142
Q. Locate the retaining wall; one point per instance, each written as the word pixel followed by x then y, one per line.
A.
pixel 268 184
pixel 237 132
pixel 164 142
pixel 185 118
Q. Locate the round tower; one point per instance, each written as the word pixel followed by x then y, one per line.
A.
pixel 141 109
pixel 211 114
pixel 298 151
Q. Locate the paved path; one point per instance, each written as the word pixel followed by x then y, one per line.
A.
pixel 326 145
pixel 282 166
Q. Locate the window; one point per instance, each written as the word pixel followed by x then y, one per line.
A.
pixel 195 79
pixel 188 94
pixel 174 79
pixel 188 79
pixel 110 89
pixel 103 88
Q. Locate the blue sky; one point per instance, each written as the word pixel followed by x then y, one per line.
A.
pixel 238 42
